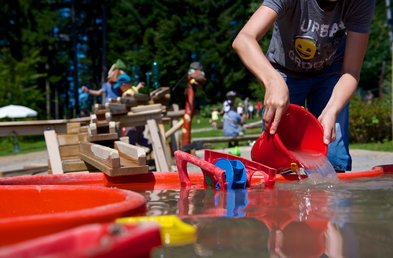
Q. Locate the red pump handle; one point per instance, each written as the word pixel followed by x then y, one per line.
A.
pixel 216 174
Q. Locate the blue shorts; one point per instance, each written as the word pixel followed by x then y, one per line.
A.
pixel 313 92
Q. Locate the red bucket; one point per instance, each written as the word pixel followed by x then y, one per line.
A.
pixel 299 134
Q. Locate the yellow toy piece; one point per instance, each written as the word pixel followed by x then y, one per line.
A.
pixel 173 230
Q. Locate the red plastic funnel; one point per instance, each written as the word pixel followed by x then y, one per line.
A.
pixel 299 134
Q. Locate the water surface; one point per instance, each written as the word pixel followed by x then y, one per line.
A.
pixel 302 219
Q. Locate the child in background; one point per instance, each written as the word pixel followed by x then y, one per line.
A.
pixel 214 117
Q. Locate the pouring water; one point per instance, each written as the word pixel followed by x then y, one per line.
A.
pixel 316 166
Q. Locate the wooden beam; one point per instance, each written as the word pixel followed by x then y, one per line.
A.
pixel 158 147
pixel 104 158
pixel 67 139
pixel 174 128
pixel 73 127
pixel 137 119
pixel 52 146
pixel 37 127
pixel 76 165
pixel 69 151
pixel 146 108
pixel 109 161
pixel 132 152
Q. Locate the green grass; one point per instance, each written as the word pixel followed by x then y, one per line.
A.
pixel 26 145
pixel 385 146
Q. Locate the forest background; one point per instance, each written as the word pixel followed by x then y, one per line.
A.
pixel 50 48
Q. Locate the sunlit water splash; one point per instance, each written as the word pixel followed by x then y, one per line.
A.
pixel 316 166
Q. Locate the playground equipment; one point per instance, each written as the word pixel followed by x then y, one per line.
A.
pixel 196 77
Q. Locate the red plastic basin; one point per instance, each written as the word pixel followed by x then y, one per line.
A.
pixel 29 211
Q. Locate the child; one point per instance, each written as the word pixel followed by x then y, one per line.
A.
pixel 214 117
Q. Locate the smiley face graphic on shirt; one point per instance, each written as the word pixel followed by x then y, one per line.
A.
pixel 305 47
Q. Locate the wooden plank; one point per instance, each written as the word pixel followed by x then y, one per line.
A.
pixel 69 151
pixel 102 107
pixel 167 150
pixel 109 161
pixel 137 119
pixel 53 152
pixel 73 127
pixel 158 148
pixel 117 108
pixel 131 152
pixel 124 139
pixel 104 117
pixel 37 127
pixel 129 102
pixel 103 137
pixel 112 127
pixel 257 124
pixel 175 113
pixel 130 167
pixel 174 128
pixel 82 137
pixel 67 139
pixel 70 157
pixel 92 129
pixel 146 108
pixel 175 138
pixel 75 165
pixel 104 158
pixel 83 129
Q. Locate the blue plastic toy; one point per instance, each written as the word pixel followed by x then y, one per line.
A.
pixel 235 173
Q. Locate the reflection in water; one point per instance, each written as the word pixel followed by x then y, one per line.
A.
pixel 350 219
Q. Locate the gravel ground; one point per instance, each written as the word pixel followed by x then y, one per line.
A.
pixel 362 159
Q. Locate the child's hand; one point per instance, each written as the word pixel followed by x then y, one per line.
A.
pixel 328 122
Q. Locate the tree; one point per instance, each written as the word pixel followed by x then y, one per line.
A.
pixel 19 80
pixel 172 32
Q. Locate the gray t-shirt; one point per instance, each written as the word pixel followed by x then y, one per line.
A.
pixel 307 39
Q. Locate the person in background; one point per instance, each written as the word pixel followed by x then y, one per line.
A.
pixel 229 102
pixel 107 88
pixel 84 103
pixel 214 117
pixel 259 108
pixel 232 124
pixel 250 109
pixel 122 85
pixel 314 58
pixel 245 105
pixel 240 109
pixel 135 134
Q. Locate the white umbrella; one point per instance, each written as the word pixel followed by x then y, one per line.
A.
pixel 15 111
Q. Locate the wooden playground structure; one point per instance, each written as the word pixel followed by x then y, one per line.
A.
pixel 97 143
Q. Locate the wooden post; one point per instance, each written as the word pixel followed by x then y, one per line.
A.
pixel 188 113
pixel 52 146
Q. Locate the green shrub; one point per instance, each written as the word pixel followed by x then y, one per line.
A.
pixel 369 123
